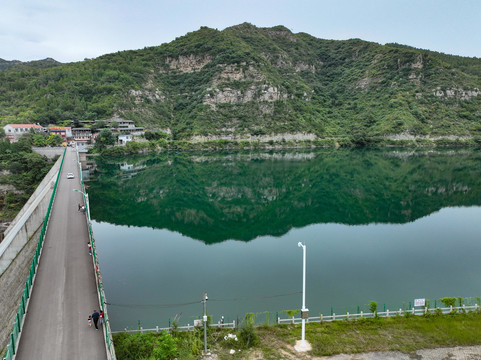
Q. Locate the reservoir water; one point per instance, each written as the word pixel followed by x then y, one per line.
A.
pixel 379 225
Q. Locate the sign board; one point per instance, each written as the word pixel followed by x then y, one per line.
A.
pixel 305 314
pixel 419 302
pixel 198 323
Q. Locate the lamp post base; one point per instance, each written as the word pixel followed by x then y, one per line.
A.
pixel 302 346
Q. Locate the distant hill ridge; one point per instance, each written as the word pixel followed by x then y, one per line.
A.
pixel 19 65
pixel 244 82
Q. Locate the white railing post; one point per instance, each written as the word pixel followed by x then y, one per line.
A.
pixel 333 316
pixel 348 315
pixel 361 314
pixel 157 328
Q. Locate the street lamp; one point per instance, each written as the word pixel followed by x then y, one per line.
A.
pixel 204 319
pixel 303 344
pixel 86 201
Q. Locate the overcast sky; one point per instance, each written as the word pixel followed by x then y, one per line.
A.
pixel 71 30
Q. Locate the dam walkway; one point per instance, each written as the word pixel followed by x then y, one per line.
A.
pixel 65 291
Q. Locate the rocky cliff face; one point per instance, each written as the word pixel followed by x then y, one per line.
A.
pixel 188 64
pixel 459 94
pixel 227 95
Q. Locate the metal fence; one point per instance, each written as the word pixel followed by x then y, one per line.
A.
pixel 109 344
pixel 17 327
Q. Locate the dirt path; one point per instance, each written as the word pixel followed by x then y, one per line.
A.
pixel 456 353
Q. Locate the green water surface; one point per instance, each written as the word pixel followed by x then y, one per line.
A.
pixel 381 225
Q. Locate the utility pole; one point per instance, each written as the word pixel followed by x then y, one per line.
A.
pixel 204 319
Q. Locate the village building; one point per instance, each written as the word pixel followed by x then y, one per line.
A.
pixel 124 138
pixel 82 135
pixel 125 126
pixel 14 131
pixel 63 131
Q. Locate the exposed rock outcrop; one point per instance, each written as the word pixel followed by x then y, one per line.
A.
pixel 457 93
pixel 240 72
pixel 188 64
pixel 261 138
pixel 141 95
pixel 234 96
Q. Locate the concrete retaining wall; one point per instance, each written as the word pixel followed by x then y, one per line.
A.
pixel 28 220
pixel 49 152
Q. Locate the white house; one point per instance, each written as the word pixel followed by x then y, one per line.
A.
pixel 14 131
pixel 124 138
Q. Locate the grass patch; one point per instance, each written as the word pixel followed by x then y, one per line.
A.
pixel 405 334
pixel 402 333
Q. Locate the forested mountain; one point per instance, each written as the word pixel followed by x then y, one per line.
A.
pixel 247 81
pixel 4 64
pixel 19 65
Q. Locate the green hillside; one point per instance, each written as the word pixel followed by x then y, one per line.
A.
pixel 246 81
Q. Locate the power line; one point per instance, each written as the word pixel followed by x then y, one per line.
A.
pixel 197 302
pixel 152 305
pixel 257 297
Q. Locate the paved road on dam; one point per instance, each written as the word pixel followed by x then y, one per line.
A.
pixel 64 294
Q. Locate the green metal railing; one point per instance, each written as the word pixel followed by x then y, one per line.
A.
pixel 98 277
pixel 17 327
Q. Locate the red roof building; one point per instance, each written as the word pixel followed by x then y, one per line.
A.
pixel 14 131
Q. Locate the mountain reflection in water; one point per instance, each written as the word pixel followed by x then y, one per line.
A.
pixel 214 197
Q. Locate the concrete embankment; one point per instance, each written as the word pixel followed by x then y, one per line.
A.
pixel 17 249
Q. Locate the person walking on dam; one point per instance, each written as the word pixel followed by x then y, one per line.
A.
pixel 95 317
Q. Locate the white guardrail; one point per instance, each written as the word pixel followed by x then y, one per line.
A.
pixel 362 315
pixel 421 311
pixel 180 328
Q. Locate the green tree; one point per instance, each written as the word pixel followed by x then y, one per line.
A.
pixel 104 139
pixel 448 301
pixel 54 140
pixel 101 124
pixel 373 306
pixel 39 140
pixel 23 144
